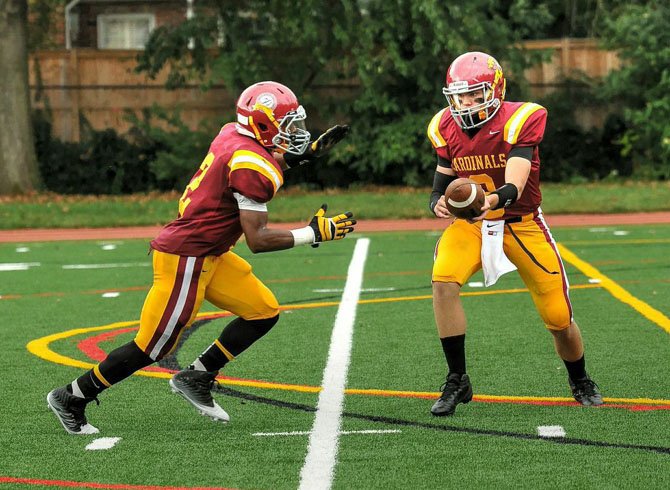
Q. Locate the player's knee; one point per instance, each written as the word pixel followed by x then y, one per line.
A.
pixel 264 325
pixel 557 321
pixel 269 309
pixel 446 290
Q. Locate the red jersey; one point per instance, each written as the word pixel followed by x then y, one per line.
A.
pixel 209 217
pixel 483 157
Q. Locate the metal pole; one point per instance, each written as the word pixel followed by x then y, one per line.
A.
pixel 68 26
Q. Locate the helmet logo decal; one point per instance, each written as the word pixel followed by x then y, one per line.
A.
pixel 267 99
pixel 458 85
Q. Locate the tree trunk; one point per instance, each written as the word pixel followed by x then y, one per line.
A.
pixel 18 165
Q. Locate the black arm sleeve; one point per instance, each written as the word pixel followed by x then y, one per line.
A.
pixel 521 151
pixel 440 183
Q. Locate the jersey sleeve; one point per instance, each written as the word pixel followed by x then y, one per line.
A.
pixel 526 126
pixel 254 176
pixel 435 135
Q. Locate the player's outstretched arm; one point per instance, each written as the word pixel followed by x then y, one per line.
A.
pixel 318 148
pixel 260 238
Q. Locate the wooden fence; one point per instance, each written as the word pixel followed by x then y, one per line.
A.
pixel 100 85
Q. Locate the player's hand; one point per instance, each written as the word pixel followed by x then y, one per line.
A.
pixel 440 208
pixel 327 140
pixel 485 209
pixel 335 228
pixel 318 148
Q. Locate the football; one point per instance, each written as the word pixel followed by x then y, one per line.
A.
pixel 464 198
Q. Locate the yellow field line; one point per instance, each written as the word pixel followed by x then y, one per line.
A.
pixel 615 290
pixel 41 348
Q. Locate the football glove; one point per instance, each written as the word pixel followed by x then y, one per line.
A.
pixel 322 145
pixel 335 228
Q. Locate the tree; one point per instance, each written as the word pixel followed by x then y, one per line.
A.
pixel 18 165
pixel 640 34
pixel 377 64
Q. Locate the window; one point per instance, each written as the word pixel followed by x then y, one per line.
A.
pixel 124 31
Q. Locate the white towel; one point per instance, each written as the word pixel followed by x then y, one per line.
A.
pixel 494 261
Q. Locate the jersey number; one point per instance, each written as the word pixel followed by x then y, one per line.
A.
pixel 185 198
pixel 487 183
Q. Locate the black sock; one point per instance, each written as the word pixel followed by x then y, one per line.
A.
pixel 576 369
pixel 235 339
pixel 454 351
pixel 119 364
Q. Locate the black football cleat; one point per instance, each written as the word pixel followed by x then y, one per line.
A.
pixel 70 411
pixel 196 388
pixel 457 389
pixel 585 391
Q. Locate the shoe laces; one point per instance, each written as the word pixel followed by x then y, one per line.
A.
pixel 587 386
pixel 451 385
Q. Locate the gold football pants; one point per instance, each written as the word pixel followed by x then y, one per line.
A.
pixel 179 287
pixel 529 246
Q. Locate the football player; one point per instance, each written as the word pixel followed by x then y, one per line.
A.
pixel 193 260
pixel 494 142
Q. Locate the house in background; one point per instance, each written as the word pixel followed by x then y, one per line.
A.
pixel 88 70
pixel 119 24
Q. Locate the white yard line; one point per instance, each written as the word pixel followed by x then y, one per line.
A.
pixel 106 266
pixel 550 431
pixel 102 443
pixel 18 266
pixel 319 467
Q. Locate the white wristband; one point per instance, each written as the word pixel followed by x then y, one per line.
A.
pixel 303 236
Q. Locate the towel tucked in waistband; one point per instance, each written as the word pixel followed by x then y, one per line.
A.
pixel 494 261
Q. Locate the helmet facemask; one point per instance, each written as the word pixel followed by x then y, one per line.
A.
pixel 292 136
pixel 477 114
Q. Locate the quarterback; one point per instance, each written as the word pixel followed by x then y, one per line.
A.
pixel 193 261
pixel 494 142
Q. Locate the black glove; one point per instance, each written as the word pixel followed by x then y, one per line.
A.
pixel 322 145
pixel 335 228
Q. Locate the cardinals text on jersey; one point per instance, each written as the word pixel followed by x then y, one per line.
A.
pixel 483 156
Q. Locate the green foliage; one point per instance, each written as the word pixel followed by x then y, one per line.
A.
pixel 571 153
pixel 178 149
pixel 640 34
pixel 376 65
pixel 102 163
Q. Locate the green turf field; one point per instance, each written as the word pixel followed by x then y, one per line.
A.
pixel 60 315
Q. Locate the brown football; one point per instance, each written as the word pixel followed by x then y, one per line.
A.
pixel 464 198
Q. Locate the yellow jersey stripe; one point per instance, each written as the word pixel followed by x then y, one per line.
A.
pixel 518 119
pixel 250 160
pixel 433 130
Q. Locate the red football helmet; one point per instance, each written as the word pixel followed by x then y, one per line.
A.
pixel 270 113
pixel 470 72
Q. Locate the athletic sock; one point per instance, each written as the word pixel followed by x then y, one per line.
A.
pixel 237 337
pixel 454 352
pixel 117 366
pixel 576 369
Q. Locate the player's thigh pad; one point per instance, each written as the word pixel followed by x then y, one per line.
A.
pixel 458 252
pixel 235 288
pixel 530 246
pixel 173 301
